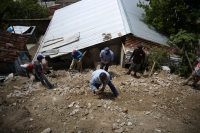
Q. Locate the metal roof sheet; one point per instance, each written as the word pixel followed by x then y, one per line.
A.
pixel 92 18
pixel 137 24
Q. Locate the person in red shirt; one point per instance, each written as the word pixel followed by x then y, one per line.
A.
pixel 138 59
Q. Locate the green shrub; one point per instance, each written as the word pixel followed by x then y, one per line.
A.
pixel 159 55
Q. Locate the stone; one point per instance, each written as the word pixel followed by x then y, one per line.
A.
pixel 79 132
pixel 129 124
pixel 119 131
pixel 125 110
pixel 158 130
pixel 122 124
pixel 74 112
pixel 14 104
pixel 115 126
pixel 71 105
pixel 48 130
pixel 16 87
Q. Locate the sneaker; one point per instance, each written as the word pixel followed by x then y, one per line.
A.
pixel 135 75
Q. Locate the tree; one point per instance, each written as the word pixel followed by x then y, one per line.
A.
pixel 172 15
pixel 187 44
pixel 21 9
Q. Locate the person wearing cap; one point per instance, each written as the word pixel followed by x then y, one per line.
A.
pixel 100 77
pixel 195 75
pixel 76 55
pixel 138 59
pixel 107 57
pixel 45 65
pixel 40 72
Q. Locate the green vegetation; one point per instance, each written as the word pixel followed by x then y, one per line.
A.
pixel 159 55
pixel 179 19
pixel 21 9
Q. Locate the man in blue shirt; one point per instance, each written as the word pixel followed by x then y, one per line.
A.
pixel 76 55
pixel 102 77
pixel 40 73
pixel 107 56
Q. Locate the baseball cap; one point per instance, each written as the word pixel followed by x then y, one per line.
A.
pixel 106 49
pixel 139 46
pixel 39 57
pixel 73 52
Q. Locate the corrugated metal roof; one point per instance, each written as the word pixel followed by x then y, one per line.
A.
pixel 92 18
pixel 137 24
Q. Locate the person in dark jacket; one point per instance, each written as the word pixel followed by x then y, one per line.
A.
pixel 138 59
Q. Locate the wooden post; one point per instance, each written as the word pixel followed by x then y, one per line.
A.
pixel 188 60
pixel 124 49
pixel 152 68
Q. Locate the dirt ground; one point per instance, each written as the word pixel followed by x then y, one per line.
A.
pixel 154 105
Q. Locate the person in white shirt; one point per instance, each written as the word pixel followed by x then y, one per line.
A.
pixel 195 75
pixel 102 77
pixel 45 66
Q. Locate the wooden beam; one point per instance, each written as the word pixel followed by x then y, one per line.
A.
pixel 124 49
pixel 152 68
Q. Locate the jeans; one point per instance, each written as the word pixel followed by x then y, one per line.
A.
pixel 102 66
pixel 112 87
pixel 43 78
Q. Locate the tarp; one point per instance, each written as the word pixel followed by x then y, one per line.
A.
pixel 17 29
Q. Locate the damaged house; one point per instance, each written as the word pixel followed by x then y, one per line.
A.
pixel 13 52
pixel 91 25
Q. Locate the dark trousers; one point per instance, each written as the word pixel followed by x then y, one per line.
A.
pixel 102 65
pixel 43 78
pixel 112 87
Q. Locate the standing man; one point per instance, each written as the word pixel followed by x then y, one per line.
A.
pixel 195 75
pixel 107 57
pixel 40 72
pixel 102 77
pixel 138 59
pixel 76 55
pixel 45 65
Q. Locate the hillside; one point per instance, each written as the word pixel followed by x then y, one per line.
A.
pixel 158 104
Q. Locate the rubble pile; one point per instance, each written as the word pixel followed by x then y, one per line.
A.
pixel 156 104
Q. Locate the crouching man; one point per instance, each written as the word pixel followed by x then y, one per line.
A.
pixel 102 77
pixel 195 75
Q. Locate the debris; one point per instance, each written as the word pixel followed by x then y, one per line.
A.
pixel 134 118
pixel 129 124
pixel 125 110
pixel 158 130
pixel 119 131
pixel 71 105
pixel 48 130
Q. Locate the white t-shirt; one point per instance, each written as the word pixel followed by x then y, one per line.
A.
pixel 44 64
